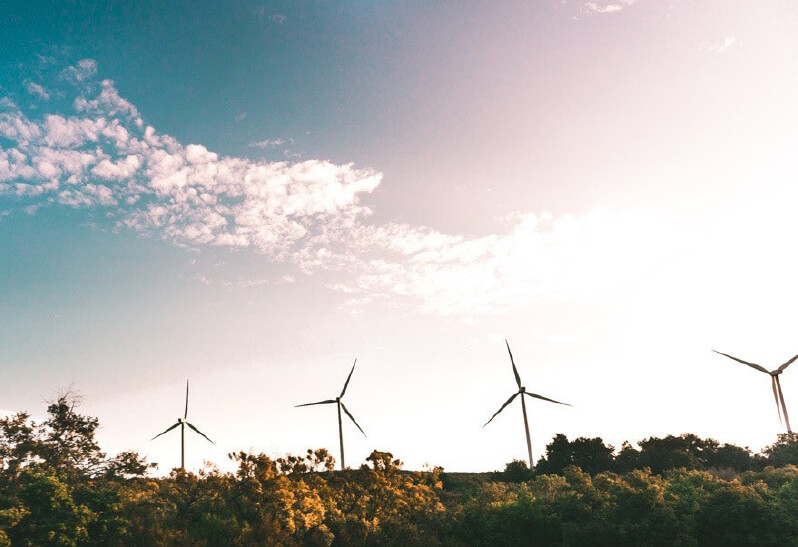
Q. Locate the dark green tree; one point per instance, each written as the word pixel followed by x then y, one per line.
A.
pixel 729 456
pixel 627 459
pixel 517 471
pixel 51 516
pixel 784 451
pixel 685 451
pixel 589 454
pixel 738 515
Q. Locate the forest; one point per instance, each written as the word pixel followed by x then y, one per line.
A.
pixel 57 487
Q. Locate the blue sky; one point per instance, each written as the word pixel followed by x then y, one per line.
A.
pixel 252 194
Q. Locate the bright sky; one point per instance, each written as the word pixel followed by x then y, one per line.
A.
pixel 252 194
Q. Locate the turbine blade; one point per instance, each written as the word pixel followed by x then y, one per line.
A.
pixel 783 406
pixel 752 365
pixel 515 370
pixel 167 431
pixel 200 432
pixel 536 396
pixel 185 414
pixel 788 363
pixel 327 402
pixel 510 400
pixel 348 378
pixel 353 419
pixel 776 396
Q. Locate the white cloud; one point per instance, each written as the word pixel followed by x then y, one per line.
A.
pixel 593 256
pixel 252 282
pixel 108 103
pixel 16 127
pixel 119 170
pixel 61 132
pixel 104 155
pixel 8 104
pixel 608 7
pixel 84 70
pixel 266 143
pixel 278 18
pixel 721 46
pixel 37 90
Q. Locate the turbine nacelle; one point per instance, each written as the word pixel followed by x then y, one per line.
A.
pixel 182 421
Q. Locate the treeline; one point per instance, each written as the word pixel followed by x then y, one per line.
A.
pixel 58 488
pixel 660 454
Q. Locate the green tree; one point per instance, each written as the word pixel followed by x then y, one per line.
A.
pixel 51 516
pixel 729 456
pixel 685 451
pixel 509 516
pixel 64 443
pixel 784 451
pixel 589 454
pixel 517 471
pixel 738 515
pixel 627 459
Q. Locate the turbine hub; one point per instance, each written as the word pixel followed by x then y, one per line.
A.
pixel 182 420
pixel 522 390
pixel 337 399
pixel 775 373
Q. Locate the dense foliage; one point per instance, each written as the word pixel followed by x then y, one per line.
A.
pixel 58 488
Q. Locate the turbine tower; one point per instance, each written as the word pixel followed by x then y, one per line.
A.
pixel 340 405
pixel 522 391
pixel 774 384
pixel 182 422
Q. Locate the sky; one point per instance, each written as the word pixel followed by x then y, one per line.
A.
pixel 250 194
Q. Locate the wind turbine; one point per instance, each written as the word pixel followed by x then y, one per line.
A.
pixel 774 384
pixel 340 405
pixel 522 391
pixel 182 422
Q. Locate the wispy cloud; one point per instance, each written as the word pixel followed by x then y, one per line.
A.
pixel 83 70
pixel 227 284
pixel 720 46
pixel 38 91
pixel 267 143
pixel 607 7
pixel 273 16
pixel 537 257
